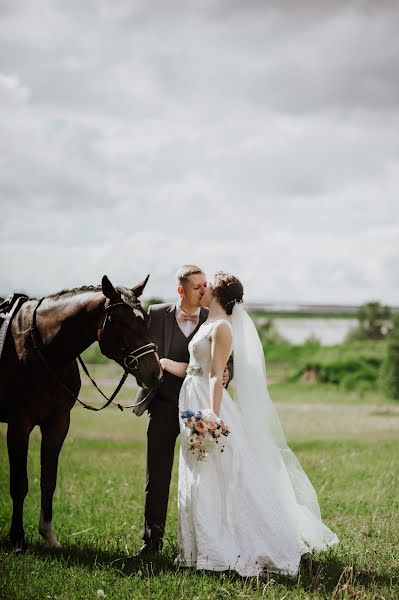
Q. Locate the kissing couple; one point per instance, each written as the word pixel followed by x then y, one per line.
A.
pixel 250 508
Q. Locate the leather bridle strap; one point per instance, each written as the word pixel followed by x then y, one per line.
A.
pixel 61 383
pixel 131 360
pixel 108 400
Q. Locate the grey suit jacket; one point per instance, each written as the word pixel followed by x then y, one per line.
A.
pixel 162 318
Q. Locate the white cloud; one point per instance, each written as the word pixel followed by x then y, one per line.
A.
pixel 12 92
pixel 259 140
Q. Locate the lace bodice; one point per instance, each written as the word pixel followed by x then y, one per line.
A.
pixel 200 349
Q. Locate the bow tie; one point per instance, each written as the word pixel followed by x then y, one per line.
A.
pixel 183 317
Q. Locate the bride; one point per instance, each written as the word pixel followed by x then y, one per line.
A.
pixel 250 508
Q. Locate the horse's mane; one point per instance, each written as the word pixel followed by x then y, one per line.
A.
pixel 74 291
pixel 127 294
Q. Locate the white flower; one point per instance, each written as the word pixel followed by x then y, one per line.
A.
pixel 209 415
pixel 101 594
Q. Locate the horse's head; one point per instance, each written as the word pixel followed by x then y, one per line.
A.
pixel 125 336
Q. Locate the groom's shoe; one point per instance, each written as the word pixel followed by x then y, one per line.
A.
pixel 147 552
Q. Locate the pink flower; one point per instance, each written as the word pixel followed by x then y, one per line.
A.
pixel 201 427
pixel 211 425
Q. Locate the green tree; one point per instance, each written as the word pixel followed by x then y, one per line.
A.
pixel 374 320
pixel 389 374
pixel 152 300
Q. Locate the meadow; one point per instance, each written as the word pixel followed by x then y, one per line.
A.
pixel 347 441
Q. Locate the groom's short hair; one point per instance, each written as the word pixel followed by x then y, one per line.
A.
pixel 185 271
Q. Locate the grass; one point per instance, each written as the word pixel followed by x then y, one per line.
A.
pixel 348 447
pixel 325 393
pixel 295 357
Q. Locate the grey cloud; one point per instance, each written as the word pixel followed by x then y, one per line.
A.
pixel 284 58
pixel 256 137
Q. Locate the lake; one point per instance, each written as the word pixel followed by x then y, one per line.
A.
pixel 327 331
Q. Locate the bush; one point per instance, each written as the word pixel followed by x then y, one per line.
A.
pixel 354 365
pixel 389 374
pixel 153 300
pixel 289 354
pixel 374 322
pixel 363 379
pixel 348 373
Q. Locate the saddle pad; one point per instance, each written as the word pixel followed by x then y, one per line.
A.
pixel 8 309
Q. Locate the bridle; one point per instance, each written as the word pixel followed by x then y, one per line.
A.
pixel 130 359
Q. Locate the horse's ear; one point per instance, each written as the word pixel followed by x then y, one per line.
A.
pixel 108 289
pixel 138 289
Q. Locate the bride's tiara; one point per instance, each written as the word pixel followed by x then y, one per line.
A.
pixel 234 301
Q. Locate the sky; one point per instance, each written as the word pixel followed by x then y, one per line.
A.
pixel 259 138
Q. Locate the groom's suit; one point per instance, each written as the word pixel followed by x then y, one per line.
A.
pixel 163 423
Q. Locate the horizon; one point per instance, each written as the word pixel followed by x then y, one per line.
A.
pixel 253 305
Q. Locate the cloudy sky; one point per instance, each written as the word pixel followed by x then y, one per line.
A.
pixel 256 137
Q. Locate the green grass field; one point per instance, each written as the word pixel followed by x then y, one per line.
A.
pixel 348 445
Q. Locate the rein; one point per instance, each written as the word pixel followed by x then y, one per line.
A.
pixel 130 359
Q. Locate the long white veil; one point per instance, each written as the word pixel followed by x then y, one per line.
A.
pixel 262 424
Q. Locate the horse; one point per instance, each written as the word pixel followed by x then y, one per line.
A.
pixel 40 380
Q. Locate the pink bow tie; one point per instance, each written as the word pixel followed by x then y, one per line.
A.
pixel 183 317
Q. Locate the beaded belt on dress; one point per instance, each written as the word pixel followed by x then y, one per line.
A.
pixel 194 369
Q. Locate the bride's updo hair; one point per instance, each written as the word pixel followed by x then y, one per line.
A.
pixel 228 290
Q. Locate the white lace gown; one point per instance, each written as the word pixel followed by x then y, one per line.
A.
pixel 230 516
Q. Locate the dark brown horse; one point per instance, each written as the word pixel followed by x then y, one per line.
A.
pixel 39 377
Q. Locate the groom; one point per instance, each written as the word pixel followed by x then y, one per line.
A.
pixel 172 328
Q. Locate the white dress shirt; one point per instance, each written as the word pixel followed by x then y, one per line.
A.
pixel 187 327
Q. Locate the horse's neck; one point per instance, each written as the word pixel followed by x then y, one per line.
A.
pixel 69 324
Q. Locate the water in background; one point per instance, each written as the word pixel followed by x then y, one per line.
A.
pixel 327 331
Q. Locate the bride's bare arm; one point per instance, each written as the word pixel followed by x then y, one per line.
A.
pixel 176 368
pixel 220 350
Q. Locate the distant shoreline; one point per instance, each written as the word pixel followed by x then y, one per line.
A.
pixel 326 311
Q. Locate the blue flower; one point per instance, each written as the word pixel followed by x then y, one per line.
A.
pixel 187 414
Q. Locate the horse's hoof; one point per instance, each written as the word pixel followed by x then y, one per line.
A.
pixel 52 544
pixel 18 543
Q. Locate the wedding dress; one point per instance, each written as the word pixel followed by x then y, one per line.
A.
pixel 250 508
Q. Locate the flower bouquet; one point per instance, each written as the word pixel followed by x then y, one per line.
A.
pixel 205 432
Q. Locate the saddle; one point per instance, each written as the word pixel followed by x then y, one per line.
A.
pixel 8 308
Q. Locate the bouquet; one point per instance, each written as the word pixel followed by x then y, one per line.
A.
pixel 205 432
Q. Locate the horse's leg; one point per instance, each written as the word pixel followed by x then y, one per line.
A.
pixel 17 442
pixel 53 435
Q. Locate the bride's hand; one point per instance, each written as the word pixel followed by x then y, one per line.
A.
pixel 164 363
